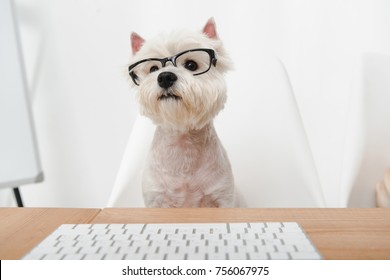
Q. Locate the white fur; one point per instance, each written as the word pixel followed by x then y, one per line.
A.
pixel 187 165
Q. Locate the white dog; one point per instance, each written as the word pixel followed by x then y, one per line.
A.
pixel 181 88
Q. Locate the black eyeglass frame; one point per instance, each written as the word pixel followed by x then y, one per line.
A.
pixel 172 59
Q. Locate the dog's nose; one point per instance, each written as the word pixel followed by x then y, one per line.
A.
pixel 166 79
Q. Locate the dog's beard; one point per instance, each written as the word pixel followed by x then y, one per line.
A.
pixel 187 105
pixel 168 95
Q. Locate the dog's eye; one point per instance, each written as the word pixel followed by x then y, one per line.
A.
pixel 153 69
pixel 191 65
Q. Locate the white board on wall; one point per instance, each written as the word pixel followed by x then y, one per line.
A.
pixel 19 158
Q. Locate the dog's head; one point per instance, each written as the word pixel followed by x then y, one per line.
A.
pixel 179 77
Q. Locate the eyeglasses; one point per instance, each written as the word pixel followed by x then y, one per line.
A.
pixel 196 61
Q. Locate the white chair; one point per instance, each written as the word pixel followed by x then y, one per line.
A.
pixel 367 142
pixel 263 134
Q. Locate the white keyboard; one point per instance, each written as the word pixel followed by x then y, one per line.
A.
pixel 217 241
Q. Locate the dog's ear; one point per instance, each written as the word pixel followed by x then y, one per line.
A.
pixel 210 29
pixel 136 42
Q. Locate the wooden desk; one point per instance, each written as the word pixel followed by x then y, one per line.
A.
pixel 23 228
pixel 337 233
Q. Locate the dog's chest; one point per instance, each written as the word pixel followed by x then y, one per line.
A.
pixel 186 168
pixel 182 158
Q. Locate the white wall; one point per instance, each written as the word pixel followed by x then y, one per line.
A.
pixel 76 52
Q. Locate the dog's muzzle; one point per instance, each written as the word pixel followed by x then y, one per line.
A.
pixel 166 79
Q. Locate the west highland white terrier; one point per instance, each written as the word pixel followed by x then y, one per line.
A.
pixel 179 78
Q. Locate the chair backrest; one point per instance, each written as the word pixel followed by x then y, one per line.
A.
pixel 367 141
pixel 263 134
pixel 266 142
pixel 127 191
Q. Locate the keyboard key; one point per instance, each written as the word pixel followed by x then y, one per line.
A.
pixel 134 256
pixel 217 256
pixel 273 225
pixel 291 227
pixel 177 256
pixel 258 256
pixel 279 256
pixel 116 226
pixel 69 250
pixel 99 226
pixel 238 227
pixel 98 256
pixel 114 257
pixel 196 256
pixel 52 257
pixel 305 256
pixel 88 250
pixel 134 228
pixel 155 256
pixel 256 227
pixel 285 248
pixel 238 256
pixel 71 256
pixel 267 248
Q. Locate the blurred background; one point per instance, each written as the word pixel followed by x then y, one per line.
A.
pixel 76 53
